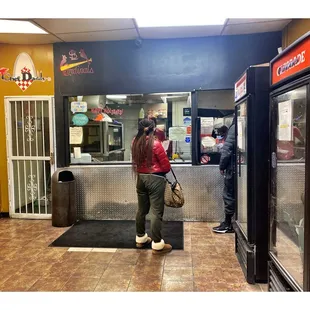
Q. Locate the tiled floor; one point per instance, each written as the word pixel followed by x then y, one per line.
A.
pixel 207 264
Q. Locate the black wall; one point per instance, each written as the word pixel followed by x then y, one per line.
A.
pixel 120 67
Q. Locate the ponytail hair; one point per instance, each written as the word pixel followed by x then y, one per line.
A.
pixel 142 148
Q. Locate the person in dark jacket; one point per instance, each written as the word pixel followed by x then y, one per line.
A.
pixel 150 164
pixel 227 169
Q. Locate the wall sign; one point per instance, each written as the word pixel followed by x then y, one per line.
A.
pixel 80 119
pixel 108 111
pixel 76 135
pixel 78 106
pixel 187 111
pixel 240 88
pixel 187 121
pixel 77 64
pixel 24 73
pixel 291 62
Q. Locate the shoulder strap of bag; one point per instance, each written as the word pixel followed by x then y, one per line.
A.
pixel 174 174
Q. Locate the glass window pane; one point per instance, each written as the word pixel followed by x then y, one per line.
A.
pixel 102 130
pixel 215 109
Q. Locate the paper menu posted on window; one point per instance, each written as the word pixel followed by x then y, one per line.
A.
pixel 76 135
pixel 207 142
pixel 285 129
pixel 243 110
pixel 177 133
pixel 240 135
pixel 207 124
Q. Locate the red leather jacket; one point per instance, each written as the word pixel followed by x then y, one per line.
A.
pixel 160 161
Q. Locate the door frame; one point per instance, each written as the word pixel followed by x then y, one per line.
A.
pixel 248 234
pixel 52 138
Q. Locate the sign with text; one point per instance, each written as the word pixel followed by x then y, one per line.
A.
pixel 76 135
pixel 78 106
pixel 240 88
pixel 75 63
pixel 291 62
pixel 187 111
pixel 24 73
pixel 79 119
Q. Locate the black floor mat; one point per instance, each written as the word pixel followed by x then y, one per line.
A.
pixel 115 234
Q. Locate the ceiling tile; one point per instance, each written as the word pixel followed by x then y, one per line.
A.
pixel 179 32
pixel 14 38
pixel 233 21
pixel 84 25
pixel 255 27
pixel 112 35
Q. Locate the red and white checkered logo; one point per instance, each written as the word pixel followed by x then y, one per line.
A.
pixel 24 84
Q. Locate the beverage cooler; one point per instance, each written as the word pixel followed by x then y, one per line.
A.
pixel 289 222
pixel 251 172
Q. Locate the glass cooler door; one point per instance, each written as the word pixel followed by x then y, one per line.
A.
pixel 242 166
pixel 288 181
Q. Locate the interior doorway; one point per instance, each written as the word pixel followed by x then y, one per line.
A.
pixel 31 155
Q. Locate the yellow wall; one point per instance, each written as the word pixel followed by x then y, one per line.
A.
pixel 294 30
pixel 42 57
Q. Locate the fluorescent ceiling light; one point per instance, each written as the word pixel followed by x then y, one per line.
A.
pixel 177 21
pixel 19 26
pixel 116 96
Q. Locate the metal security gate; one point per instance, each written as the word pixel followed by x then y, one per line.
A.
pixel 30 150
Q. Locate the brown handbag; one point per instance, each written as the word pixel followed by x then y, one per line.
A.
pixel 174 197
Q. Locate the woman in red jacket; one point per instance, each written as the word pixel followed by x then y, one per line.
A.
pixel 150 163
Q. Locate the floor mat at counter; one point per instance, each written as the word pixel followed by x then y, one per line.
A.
pixel 115 234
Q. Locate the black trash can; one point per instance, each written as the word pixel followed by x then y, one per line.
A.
pixel 63 198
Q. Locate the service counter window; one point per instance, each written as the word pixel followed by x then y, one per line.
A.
pixel 215 113
pixel 102 127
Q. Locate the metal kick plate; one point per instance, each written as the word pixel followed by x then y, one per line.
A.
pixel 109 193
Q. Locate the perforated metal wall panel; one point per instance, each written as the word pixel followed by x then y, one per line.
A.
pixel 109 192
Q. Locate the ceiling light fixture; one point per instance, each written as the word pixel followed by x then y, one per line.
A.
pixel 177 21
pixel 19 26
pixel 116 96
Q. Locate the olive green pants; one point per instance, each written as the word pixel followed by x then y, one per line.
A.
pixel 151 191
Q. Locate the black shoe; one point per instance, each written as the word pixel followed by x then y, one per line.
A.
pixel 223 229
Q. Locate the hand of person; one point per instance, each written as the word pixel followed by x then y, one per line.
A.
pixel 222 172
